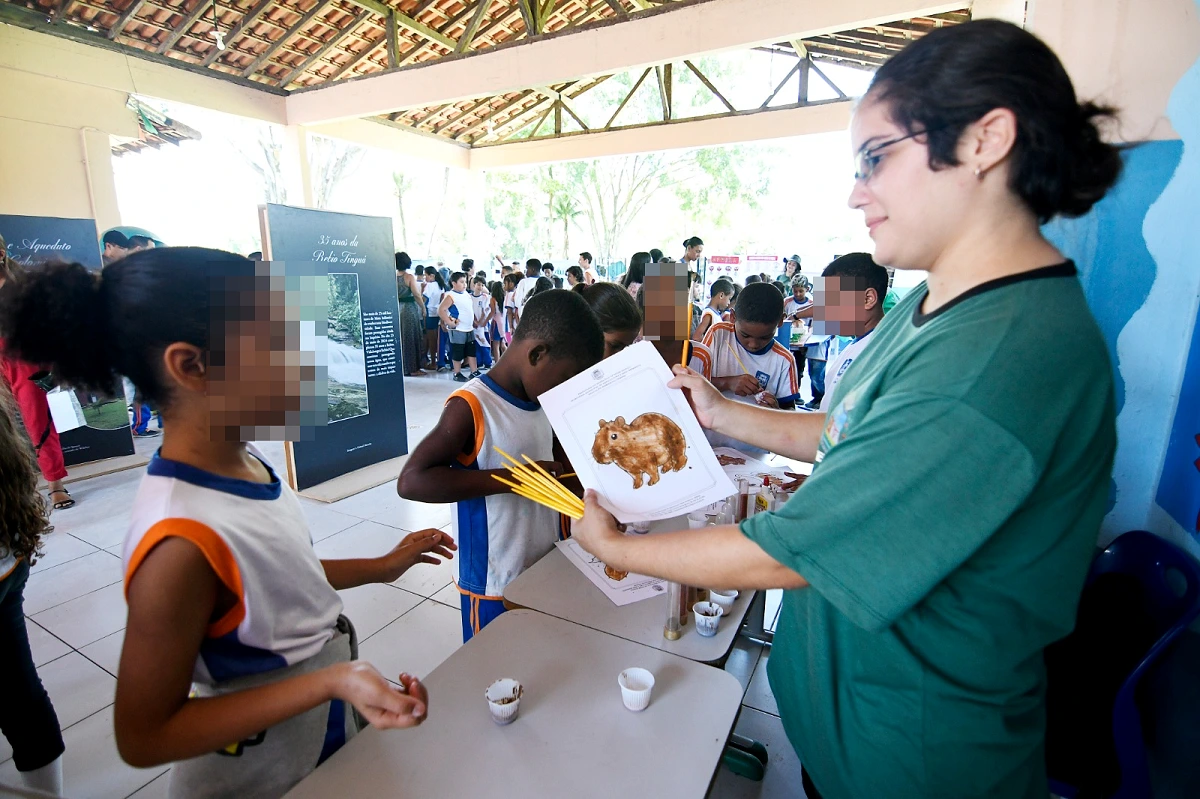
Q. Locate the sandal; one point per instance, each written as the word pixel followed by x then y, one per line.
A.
pixel 63 505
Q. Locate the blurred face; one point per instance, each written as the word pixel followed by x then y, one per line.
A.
pixel 477 289
pixel 571 281
pixel 583 264
pixel 617 340
pixel 668 310
pixel 754 336
pixel 911 211
pixel 842 307
pixel 721 301
pixel 429 278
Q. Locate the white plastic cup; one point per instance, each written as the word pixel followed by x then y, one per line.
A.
pixel 708 616
pixel 697 519
pixel 504 700
pixel 636 686
pixel 723 598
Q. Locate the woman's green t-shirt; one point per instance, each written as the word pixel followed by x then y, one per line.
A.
pixel 945 533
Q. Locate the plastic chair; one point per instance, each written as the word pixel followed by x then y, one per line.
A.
pixel 1170 583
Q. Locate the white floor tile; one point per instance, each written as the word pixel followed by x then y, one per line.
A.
pixel 42 645
pixel 415 515
pixel 58 548
pixel 156 789
pixel 106 652
pixel 105 504
pixel 77 687
pixel 416 643
pixel 782 780
pixel 363 540
pixel 323 521
pixel 758 695
pixel 87 618
pixel 426 579
pixel 70 580
pixel 92 769
pixel 449 596
pixel 742 660
pixel 373 607
pixel 372 502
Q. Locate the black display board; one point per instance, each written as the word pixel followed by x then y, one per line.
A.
pixel 366 387
pixel 40 239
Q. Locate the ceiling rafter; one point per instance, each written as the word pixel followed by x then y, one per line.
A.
pixel 320 52
pixel 247 20
pixel 298 27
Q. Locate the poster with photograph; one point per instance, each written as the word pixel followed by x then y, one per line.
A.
pixel 104 428
pixel 635 441
pixel 360 348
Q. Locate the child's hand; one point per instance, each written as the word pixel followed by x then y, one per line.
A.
pixel 744 385
pixel 554 467
pixel 767 400
pixel 380 702
pixel 418 547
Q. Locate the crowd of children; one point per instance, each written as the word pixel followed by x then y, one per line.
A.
pixel 237 664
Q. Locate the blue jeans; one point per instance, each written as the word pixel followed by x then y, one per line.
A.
pixel 27 718
pixel 142 416
pixel 816 377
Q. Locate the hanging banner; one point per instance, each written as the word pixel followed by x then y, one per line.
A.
pixel 353 256
pixel 105 431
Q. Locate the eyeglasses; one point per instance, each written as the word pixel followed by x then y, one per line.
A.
pixel 867 160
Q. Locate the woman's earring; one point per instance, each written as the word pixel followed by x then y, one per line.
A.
pixel 979 173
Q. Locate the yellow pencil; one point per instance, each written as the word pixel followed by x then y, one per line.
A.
pixel 559 487
pixel 540 498
pixel 540 476
pixel 683 357
pixel 739 358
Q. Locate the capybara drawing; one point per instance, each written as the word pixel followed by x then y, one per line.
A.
pixel 650 442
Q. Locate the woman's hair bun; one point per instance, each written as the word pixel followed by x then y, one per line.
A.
pixel 55 314
pixel 1093 165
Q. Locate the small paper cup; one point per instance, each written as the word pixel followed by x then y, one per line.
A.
pixel 723 598
pixel 504 700
pixel 708 616
pixel 697 519
pixel 636 687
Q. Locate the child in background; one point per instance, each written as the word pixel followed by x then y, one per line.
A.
pixel 798 309
pixel 433 289
pixel 619 316
pixel 510 304
pixel 666 311
pixel 749 365
pixel 457 313
pixel 851 305
pixel 483 320
pixel 26 715
pixel 237 663
pixel 498 332
pixel 720 297
pixel 500 534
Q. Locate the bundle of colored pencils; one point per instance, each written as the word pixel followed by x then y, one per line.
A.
pixel 538 485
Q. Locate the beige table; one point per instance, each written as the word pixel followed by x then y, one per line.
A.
pixel 573 737
pixel 556 587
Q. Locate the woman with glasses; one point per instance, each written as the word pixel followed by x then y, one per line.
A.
pixel 944 536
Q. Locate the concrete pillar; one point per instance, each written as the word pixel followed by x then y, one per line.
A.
pixel 95 147
pixel 297 172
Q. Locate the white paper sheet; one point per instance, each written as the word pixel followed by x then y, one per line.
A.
pixel 623 407
pixel 65 410
pixel 629 589
pixel 750 466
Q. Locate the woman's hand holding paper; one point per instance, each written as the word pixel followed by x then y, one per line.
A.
pixel 598 530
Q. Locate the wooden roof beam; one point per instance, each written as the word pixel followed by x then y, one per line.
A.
pixel 274 48
pixel 464 42
pixel 185 25
pixel 248 19
pixel 333 41
pixel 123 20
pixel 406 22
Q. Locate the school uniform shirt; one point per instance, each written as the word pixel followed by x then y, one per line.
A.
pixel 481 304
pixel 773 367
pixel 501 535
pixel 712 315
pixel 463 311
pixel 433 298
pixel 522 293
pixel 699 358
pixel 838 366
pixel 256 539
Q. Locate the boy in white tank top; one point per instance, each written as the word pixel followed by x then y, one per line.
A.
pixel 499 534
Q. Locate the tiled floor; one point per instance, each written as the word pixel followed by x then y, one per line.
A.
pixel 76 617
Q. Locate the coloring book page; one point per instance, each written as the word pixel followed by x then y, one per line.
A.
pixel 635 441
pixel 622 588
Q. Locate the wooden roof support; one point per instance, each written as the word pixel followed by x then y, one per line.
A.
pixel 708 84
pixel 189 20
pixel 298 27
pixel 528 9
pixel 563 100
pixel 637 85
pixel 333 41
pixel 407 23
pixel 355 60
pixel 841 94
pixel 616 6
pixel 248 19
pixel 464 41
pixel 482 123
pixel 393 41
pixel 795 68
pixel 123 20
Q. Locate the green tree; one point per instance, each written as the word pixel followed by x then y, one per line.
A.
pixel 565 209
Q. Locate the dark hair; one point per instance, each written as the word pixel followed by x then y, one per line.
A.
pixel 782 288
pixel 420 270
pixel 547 265
pixel 955 75
pixel 482 273
pixel 753 279
pixel 613 306
pixel 403 262
pixel 543 284
pixel 468 264
pixel 575 272
pixel 141 242
pixel 721 285
pixel 90 327
pixel 457 276
pixel 497 291
pixel 23 516
pixel 863 271
pixel 511 279
pixel 587 256
pixel 761 303
pixel 255 256
pixel 437 276
pixel 479 279
pixel 694 241
pixel 533 263
pixel 655 255
pixel 637 268
pixel 563 322
pixel 117 239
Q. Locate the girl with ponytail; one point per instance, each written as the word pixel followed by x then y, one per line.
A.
pixel 224 590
